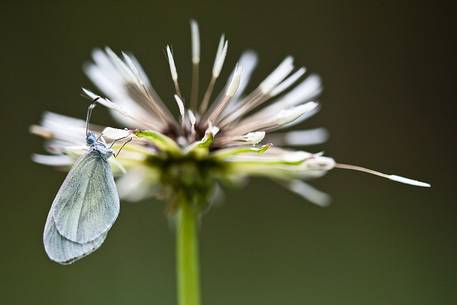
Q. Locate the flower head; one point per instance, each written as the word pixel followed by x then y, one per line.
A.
pixel 223 137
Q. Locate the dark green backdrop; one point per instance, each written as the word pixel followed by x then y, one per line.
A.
pixel 389 103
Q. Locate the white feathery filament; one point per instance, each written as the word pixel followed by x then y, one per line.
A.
pixel 174 73
pixel 195 38
pixel 387 176
pixel 217 67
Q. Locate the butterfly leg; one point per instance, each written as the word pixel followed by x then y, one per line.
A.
pixel 120 149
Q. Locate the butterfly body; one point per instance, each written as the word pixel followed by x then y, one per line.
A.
pixel 96 145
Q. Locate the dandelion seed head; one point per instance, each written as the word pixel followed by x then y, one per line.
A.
pixel 216 138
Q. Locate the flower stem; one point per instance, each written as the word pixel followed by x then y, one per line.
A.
pixel 187 255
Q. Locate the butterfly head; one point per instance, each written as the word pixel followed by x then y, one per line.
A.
pixel 91 138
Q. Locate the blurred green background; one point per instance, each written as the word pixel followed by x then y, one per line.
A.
pixel 389 103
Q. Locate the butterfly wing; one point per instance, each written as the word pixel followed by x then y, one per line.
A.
pixel 62 250
pixel 87 203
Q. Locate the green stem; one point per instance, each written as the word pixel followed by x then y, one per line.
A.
pixel 187 255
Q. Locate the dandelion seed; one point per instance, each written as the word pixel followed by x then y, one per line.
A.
pixel 217 67
pixel 195 38
pixel 174 73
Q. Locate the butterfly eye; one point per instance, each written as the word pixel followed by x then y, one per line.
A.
pixel 91 138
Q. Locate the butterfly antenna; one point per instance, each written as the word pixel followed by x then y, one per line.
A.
pixel 89 113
